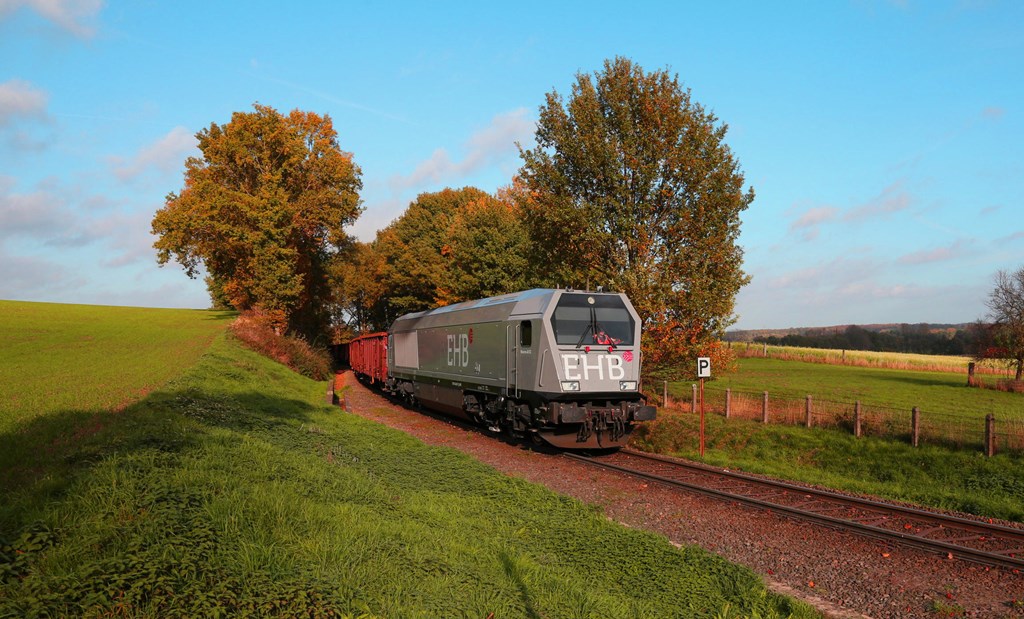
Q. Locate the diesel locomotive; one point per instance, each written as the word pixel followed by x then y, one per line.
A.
pixel 552 365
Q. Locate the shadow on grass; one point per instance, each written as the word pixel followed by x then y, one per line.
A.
pixel 42 459
pixel 508 563
pixel 922 381
pixel 219 314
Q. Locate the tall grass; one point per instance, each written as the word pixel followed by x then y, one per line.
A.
pixel 290 350
pixel 233 491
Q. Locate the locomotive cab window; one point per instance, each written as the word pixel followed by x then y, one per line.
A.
pixel 592 320
pixel 525 334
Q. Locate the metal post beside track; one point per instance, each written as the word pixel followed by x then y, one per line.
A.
pixel 915 426
pixel 990 435
pixel 856 420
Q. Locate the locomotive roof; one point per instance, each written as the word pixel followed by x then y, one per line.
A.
pixel 501 307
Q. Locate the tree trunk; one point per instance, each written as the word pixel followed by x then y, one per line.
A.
pixel 1020 368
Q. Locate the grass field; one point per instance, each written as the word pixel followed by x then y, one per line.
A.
pixel 935 475
pixel 866 358
pixel 233 490
pixel 92 358
pixel 938 392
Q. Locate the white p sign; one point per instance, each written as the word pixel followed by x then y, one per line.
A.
pixel 703 367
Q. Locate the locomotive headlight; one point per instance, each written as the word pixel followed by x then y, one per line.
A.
pixel 570 385
pixel 627 385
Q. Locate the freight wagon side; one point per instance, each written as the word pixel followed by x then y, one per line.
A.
pixel 368 357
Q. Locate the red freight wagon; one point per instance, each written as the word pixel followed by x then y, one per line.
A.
pixel 368 357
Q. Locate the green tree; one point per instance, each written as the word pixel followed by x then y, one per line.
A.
pixel 414 247
pixel 631 185
pixel 1005 333
pixel 263 211
pixel 487 250
pixel 449 246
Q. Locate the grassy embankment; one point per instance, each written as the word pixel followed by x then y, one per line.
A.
pixel 958 479
pixel 234 490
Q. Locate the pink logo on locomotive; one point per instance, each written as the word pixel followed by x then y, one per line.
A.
pixel 627 356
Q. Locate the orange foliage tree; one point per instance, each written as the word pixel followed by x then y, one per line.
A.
pixel 263 212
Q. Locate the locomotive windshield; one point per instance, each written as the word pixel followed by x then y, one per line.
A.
pixel 592 320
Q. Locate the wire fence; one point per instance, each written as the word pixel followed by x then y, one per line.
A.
pixel 917 427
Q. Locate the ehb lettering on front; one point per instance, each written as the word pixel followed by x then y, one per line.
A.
pixel 590 367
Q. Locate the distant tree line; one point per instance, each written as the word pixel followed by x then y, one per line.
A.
pixel 918 338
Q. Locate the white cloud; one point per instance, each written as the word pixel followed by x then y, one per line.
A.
pixel 46 218
pixel 20 99
pixel 851 291
pixel 892 199
pixel 30 277
pixel 815 216
pixel 938 254
pixel 993 113
pixel 70 15
pixel 165 155
pixel 39 215
pixel 488 146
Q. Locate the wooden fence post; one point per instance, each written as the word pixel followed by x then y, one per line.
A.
pixel 664 397
pixel 915 426
pixel 990 435
pixel 764 408
pixel 693 402
pixel 856 420
pixel 807 421
pixel 728 402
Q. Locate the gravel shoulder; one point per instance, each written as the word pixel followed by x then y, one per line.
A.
pixel 841 574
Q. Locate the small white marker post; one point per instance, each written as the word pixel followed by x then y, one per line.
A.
pixel 703 371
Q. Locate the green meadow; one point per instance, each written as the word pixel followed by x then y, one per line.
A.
pixel 938 392
pixel 233 490
pixel 934 475
pixel 92 358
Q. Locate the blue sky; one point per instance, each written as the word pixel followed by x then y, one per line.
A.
pixel 884 139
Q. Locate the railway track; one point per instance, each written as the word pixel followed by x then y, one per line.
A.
pixel 972 540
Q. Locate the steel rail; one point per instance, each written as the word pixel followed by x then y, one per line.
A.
pixel 907 539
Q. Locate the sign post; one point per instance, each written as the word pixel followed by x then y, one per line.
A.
pixel 703 371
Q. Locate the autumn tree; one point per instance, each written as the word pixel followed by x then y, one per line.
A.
pixel 631 185
pixel 263 212
pixel 362 289
pixel 1003 338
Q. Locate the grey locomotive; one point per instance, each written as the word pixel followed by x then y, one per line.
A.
pixel 555 365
